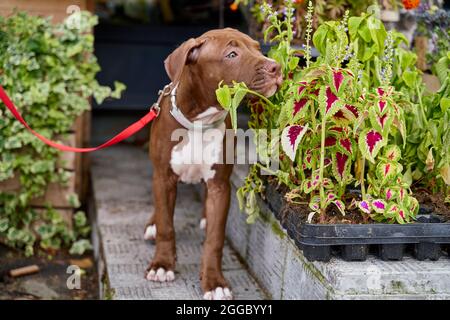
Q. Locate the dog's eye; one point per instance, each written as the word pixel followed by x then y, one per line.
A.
pixel 232 55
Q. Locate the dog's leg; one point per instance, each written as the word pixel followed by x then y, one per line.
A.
pixel 203 220
pixel 162 267
pixel 217 204
pixel 150 229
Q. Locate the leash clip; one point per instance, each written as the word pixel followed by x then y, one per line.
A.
pixel 164 92
pixel 156 108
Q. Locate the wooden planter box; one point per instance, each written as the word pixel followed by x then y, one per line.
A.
pixel 57 9
pixel 77 164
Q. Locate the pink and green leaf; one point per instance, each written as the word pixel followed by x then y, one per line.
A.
pixel 330 198
pixel 329 102
pixel 346 146
pixel 330 141
pixel 380 91
pixel 402 193
pixel 414 206
pixel 390 194
pixel 340 118
pixel 353 204
pixel 364 206
pixel 336 129
pixel 381 106
pixel 309 186
pixel 341 167
pixel 370 142
pixel 315 179
pixel 386 170
pixel 345 115
pixel 302 86
pixel 291 138
pixel 392 152
pixel 401 127
pixel 299 106
pixel 385 92
pixel 381 122
pixel 379 205
pixel 308 158
pixel 338 78
pixel 340 205
pixel 314 203
pixel 401 216
pixel 392 210
pixel 353 110
pixel 328 183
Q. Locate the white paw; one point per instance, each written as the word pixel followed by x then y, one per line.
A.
pixel 218 294
pixel 203 224
pixel 160 275
pixel 150 232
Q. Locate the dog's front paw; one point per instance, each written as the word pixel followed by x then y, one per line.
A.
pixel 150 232
pixel 160 275
pixel 218 294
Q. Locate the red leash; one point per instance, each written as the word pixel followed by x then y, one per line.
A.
pixel 128 132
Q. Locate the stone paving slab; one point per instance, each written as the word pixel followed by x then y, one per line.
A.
pixel 121 178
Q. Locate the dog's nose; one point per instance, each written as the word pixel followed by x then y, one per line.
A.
pixel 273 67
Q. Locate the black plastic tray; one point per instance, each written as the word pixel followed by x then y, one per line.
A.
pixel 426 238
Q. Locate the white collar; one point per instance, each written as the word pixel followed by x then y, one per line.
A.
pixel 185 122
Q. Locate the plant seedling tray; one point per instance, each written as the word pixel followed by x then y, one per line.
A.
pixel 427 238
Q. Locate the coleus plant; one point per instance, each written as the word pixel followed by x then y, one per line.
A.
pixel 336 133
pixel 332 130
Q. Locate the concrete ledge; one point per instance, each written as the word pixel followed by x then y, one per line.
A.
pixel 283 271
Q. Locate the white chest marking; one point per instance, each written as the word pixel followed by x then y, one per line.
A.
pixel 192 159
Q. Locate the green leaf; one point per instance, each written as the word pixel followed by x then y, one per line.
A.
pixel 442 68
pixel 119 87
pixel 80 247
pixel 237 98
pixel 223 95
pixel 80 219
pixel 73 200
pixel 293 63
pixel 4 224
pixel 410 78
pixel 353 25
pixel 365 34
pixel 241 198
pixel 319 39
pixel 445 104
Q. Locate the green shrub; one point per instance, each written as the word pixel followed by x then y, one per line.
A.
pixel 49 72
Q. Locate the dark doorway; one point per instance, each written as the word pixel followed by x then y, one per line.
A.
pixel 132 41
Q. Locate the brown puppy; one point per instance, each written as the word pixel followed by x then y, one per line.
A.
pixel 196 68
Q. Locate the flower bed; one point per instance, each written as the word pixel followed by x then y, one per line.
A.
pixel 361 136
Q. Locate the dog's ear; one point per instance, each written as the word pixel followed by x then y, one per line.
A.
pixel 185 54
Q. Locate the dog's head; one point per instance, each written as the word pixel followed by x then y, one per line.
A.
pixel 225 55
